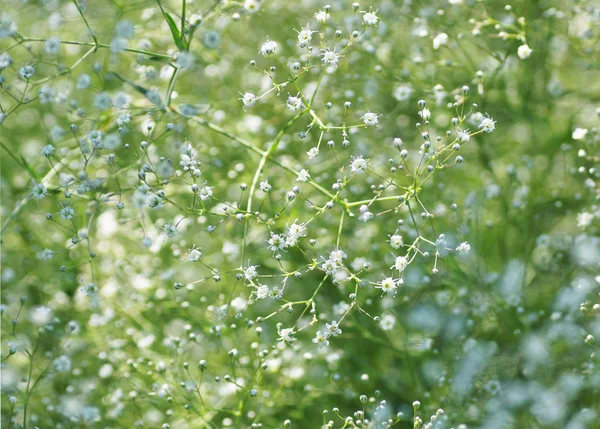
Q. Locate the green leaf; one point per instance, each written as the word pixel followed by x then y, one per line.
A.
pixel 174 31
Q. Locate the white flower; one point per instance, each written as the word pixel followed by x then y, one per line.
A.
pixel 294 103
pixel 396 241
pixel 333 329
pixel 370 18
pixel 248 99
pixel 425 114
pixel 463 249
pixel 337 256
pixel 268 48
pixel 194 255
pixel 286 335
pixel 370 119
pixel 400 263
pixel 295 231
pixel 205 193
pixel 312 153
pixel 250 272
pixel 264 186
pixel 403 92
pixel 170 230
pixel 47 150
pixel 39 191
pixel 365 214
pixel 463 135
pixel 321 339
pixel 276 242
pixel 488 125
pixel 439 40
pixel 322 16
pixel 387 322
pixel 359 165
pixel 524 52
pixel 330 56
pixel 45 255
pixel 261 291
pixel 305 36
pixel 584 219
pixel 579 133
pixel 67 213
pixel 388 285
pixel 303 176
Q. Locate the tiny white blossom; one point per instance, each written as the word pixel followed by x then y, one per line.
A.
pixel 322 16
pixel 294 103
pixel 268 48
pixel 205 193
pixel 194 255
pixel 488 125
pixel 463 249
pixel 396 241
pixel 265 186
pixel 261 291
pixel 330 56
pixel 286 335
pixel 400 263
pixel 359 165
pixel 425 114
pixel 312 153
pixel 321 339
pixel 584 219
pixel 524 51
pixel 67 213
pixel 389 285
pixel 250 272
pixel 370 18
pixel 579 133
pixel 170 230
pixel 303 176
pixel 39 192
pixel 439 40
pixel 305 36
pixel 45 255
pixel 248 99
pixel 370 119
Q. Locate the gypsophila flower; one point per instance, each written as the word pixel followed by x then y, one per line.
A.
pixel 248 99
pixel 305 36
pixel 124 119
pixel 387 322
pixel 261 291
pixel 294 103
pixel 52 46
pixel 463 136
pixel 286 335
pixel 359 165
pixel 337 256
pixel 26 72
pixel 312 153
pixel 579 133
pixel 268 48
pixel 425 114
pixel 488 125
pixel 39 191
pixel 584 219
pixel 439 40
pixel 205 193
pixel 388 285
pixel 321 339
pixel 45 255
pixel 67 213
pixel 463 249
pixel 170 230
pixel 322 16
pixel 194 255
pixel 95 137
pixel 47 150
pixel 276 242
pixel 303 176
pixel 365 214
pixel 250 272
pixel 294 232
pixel 370 18
pixel 333 329
pixel 396 241
pixel 264 186
pixel 370 119
pixel 5 60
pixel 400 263
pixel 330 57
pixel 524 51
pixel 403 92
